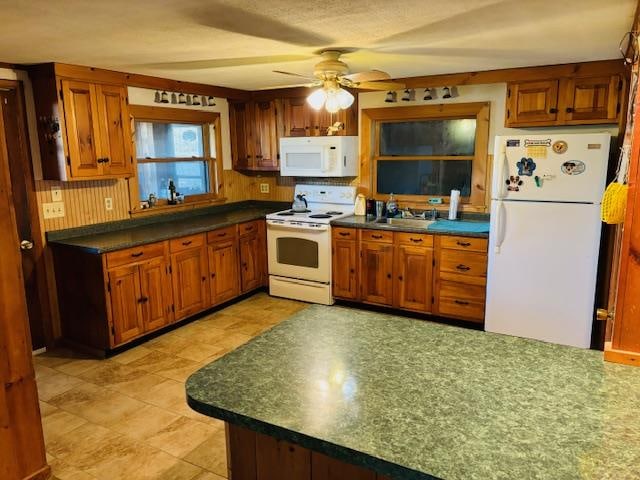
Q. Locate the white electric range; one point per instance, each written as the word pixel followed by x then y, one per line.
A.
pixel 299 244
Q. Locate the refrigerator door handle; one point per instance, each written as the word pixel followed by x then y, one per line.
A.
pixel 501 222
pixel 503 166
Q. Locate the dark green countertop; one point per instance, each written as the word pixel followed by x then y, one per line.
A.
pixel 415 400
pixel 105 238
pixel 361 221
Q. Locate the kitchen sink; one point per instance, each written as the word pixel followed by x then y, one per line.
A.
pixel 406 222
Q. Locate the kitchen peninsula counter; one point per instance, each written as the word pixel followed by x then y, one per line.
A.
pixel 409 399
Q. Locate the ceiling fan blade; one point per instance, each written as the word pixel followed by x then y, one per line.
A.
pixel 227 62
pixel 370 76
pixel 379 85
pixel 294 74
pixel 224 16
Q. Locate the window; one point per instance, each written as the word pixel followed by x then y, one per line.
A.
pixel 178 145
pixel 427 151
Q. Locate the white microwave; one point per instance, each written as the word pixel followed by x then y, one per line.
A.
pixel 319 156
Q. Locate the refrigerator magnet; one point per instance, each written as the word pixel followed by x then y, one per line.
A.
pixel 514 183
pixel 573 167
pixel 526 166
pixel 560 146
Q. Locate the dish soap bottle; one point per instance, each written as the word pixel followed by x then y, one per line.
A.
pixel 171 198
pixel 392 206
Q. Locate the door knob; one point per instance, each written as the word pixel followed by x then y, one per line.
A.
pixel 26 245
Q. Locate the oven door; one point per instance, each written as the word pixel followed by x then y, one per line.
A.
pixel 299 251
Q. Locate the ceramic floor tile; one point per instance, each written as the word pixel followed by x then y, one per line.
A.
pixel 46 409
pixel 78 366
pixel 182 436
pixel 60 423
pixel 109 373
pixel 209 476
pixel 138 386
pixel 53 385
pixel 211 454
pixel 43 371
pixel 83 446
pixel 129 356
pixel 63 471
pixel 55 357
pixel 197 351
pixel 145 422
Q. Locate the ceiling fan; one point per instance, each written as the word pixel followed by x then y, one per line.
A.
pixel 331 74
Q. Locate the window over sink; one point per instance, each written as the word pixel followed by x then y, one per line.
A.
pixel 427 151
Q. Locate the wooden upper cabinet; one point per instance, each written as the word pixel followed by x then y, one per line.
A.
pixel 532 102
pixel 266 136
pixel 297 117
pixel 126 305
pixel 254 135
pixel 593 99
pixel 240 128
pixel 301 120
pixel 83 134
pixel 376 272
pixel 115 135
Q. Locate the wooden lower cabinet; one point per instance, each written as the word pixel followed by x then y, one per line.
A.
pixel 157 295
pixel 252 246
pixel 190 271
pixel 443 274
pixel 126 307
pixel 224 278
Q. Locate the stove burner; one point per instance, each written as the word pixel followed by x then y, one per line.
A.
pixel 298 211
pixel 320 215
pixel 332 212
pixel 285 214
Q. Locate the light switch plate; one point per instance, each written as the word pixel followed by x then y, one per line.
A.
pixel 108 203
pixel 56 194
pixel 53 209
pixel 264 188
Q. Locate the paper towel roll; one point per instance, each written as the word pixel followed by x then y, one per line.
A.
pixel 453 204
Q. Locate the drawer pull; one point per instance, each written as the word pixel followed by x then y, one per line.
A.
pixel 461 302
pixel 204 279
pixel 248 229
pixel 222 234
pixel 344 234
pixel 463 244
pixel 138 254
pixel 400 277
pixel 377 237
pixel 388 275
pixel 186 243
pixel 143 299
pixel 416 240
pixel 464 268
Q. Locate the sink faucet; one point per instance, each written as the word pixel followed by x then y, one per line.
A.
pixel 434 213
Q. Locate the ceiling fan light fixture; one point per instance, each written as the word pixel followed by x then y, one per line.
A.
pixel 317 98
pixel 345 99
pixel 332 105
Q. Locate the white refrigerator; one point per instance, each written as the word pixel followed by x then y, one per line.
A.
pixel 545 236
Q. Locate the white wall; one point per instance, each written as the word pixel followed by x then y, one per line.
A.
pixel 145 96
pixel 496 93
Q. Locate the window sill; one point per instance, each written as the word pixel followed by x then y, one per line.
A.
pixel 158 209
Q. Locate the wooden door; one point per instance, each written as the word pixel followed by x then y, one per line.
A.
pixel 22 452
pixel 592 99
pixel 240 118
pixel 115 135
pixel 190 281
pixel 345 264
pixel 296 117
pixel 266 136
pixel 250 262
pixel 223 271
pixel 376 273
pixel 414 277
pixel 26 209
pixel 126 303
pixel 532 102
pixel 82 129
pixel 156 294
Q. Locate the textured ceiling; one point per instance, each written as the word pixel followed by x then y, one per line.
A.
pixel 209 41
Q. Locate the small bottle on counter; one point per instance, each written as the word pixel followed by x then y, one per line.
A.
pixel 392 206
pixel 171 197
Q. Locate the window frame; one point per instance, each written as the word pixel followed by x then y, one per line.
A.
pixel 214 162
pixel 372 118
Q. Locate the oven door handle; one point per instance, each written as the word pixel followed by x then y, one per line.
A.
pixel 274 224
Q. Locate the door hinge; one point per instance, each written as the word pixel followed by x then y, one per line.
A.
pixel 618 108
pixel 126 99
pixel 604 315
pixel 433 299
pixel 61 95
pixel 620 85
pixel 173 308
pixel 433 262
pixel 278 156
pixel 131 158
pixel 68 160
pixel 508 113
pixel 170 270
pixel 113 331
pixel 508 93
pixel 109 287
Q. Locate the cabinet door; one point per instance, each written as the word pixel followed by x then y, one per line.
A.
pixel 157 295
pixel 532 102
pixel 592 99
pixel 266 136
pixel 376 280
pixel 297 117
pixel 223 271
pixel 190 281
pixel 126 306
pixel 82 129
pixel 114 130
pixel 414 277
pixel 240 126
pixel 345 264
pixel 250 262
pixel 321 120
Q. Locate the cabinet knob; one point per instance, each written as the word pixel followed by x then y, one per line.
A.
pixel 204 279
pixel 569 109
pixel 400 277
pixel 388 275
pixel 553 110
pixel 213 275
pixel 464 268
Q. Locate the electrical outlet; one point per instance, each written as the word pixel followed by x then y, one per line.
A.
pixel 56 194
pixel 53 209
pixel 264 188
pixel 108 203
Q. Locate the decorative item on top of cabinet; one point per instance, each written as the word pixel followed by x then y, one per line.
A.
pixel 83 127
pixel 255 130
pixel 578 100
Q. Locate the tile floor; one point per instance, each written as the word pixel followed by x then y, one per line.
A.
pixel 127 418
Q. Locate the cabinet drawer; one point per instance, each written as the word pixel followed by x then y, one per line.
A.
pixel 461 300
pixel 377 236
pixel 464 243
pixel 221 234
pixel 135 254
pixel 184 243
pixel 340 233
pixel 249 227
pixel 417 239
pixel 466 264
